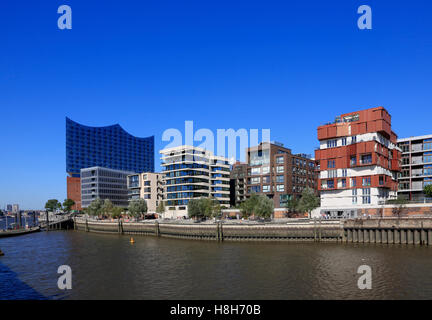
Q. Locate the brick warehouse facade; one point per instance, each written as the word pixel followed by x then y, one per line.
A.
pixel 358 162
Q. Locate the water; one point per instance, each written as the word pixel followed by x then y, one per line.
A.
pixel 109 267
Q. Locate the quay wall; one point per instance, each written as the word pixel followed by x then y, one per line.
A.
pixel 309 231
pixel 415 231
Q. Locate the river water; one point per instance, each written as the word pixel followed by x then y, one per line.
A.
pixel 109 267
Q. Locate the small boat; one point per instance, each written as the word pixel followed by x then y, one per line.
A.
pixel 18 232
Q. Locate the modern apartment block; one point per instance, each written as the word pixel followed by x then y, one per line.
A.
pixel 104 183
pixel 109 147
pixel 191 172
pixel 358 162
pixel 416 166
pixel 274 171
pixel 148 186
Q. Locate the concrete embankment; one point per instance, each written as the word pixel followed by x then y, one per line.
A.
pixel 417 231
pixel 304 231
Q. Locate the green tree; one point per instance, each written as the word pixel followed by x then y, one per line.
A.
pixel 52 205
pixel 292 206
pixel 68 204
pixel 137 208
pixel 107 207
pixel 308 201
pixel 116 212
pixel 247 207
pixel 194 209
pixel 95 207
pixel 264 207
pixel 161 207
pixel 428 190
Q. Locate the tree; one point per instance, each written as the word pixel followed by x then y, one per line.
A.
pixel 160 208
pixel 107 207
pixel 68 204
pixel 194 209
pixel 137 207
pixel 264 207
pixel 116 212
pixel 428 190
pixel 308 201
pixel 52 205
pixel 292 206
pixel 95 207
pixel 247 207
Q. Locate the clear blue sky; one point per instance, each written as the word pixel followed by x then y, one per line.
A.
pixel 150 65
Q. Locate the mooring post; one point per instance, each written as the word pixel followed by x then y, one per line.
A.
pixel 87 228
pixel 220 232
pixel 157 231
pixel 315 231
pixel 47 221
pixel 320 228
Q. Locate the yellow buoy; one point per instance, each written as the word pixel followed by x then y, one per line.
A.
pixel 132 240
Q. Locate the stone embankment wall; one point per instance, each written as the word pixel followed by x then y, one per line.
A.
pixel 305 231
pixel 416 231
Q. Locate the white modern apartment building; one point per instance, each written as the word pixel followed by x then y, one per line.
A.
pixel 416 166
pixel 148 186
pixel 192 172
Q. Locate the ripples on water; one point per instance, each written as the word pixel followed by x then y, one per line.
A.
pixel 109 267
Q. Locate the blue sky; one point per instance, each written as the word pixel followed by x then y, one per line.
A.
pixel 150 65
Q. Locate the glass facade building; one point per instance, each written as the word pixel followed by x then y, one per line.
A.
pixel 110 147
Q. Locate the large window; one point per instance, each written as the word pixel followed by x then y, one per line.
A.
pixel 428 169
pixel 427 157
pixel 427 144
pixel 256 170
pixel 265 169
pixel 366 199
pixel 280 179
pixel 366 181
pixel 330 184
pixel 280 159
pixel 331 163
pixel 280 169
pixel 266 188
pixel 280 188
pixel 332 174
pixel 366 158
pixel 331 143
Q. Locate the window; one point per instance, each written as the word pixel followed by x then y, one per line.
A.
pixel 330 184
pixel 280 179
pixel 381 180
pixel 266 179
pixel 256 170
pixel 332 174
pixel 280 169
pixel 266 188
pixel 331 143
pixel 279 159
pixel 366 181
pixel 353 160
pixel 354 192
pixel 353 182
pixel 353 139
pixel 427 181
pixel 265 169
pixel 427 144
pixel 344 172
pixel 280 188
pixel 427 157
pixel 255 180
pixel 344 141
pixel 428 170
pixel 343 183
pixel 366 158
pixel 331 163
pixel 366 196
